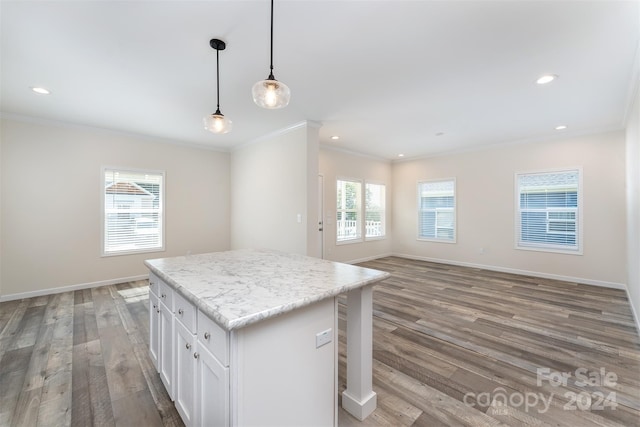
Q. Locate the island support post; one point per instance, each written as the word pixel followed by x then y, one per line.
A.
pixel 359 399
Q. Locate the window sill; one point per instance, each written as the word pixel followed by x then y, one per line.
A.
pixel 422 239
pixel 348 242
pixel 550 250
pixel 132 252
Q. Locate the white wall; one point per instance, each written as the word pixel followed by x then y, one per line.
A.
pixel 633 206
pixel 50 203
pixel 485 207
pixel 51 195
pixel 338 164
pixel 272 183
pixel 1 206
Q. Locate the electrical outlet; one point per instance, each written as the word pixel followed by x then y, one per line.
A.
pixel 324 337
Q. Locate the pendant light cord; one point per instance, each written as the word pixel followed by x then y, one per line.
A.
pixel 218 80
pixel 271 69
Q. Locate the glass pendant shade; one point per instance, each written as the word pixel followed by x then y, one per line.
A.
pixel 271 94
pixel 217 123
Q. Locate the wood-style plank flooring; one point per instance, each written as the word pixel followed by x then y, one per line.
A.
pixel 450 343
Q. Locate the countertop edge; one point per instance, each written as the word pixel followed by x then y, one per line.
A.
pixel 277 311
pixel 230 325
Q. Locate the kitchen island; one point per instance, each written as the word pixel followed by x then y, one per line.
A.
pixel 249 337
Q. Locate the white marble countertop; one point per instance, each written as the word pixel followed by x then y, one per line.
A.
pixel 241 287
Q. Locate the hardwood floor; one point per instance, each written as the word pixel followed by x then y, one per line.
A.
pixel 448 342
pixel 81 358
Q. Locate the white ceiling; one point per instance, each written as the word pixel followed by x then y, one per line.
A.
pixel 386 76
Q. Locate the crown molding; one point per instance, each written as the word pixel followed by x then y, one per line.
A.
pixel 279 132
pixel 106 131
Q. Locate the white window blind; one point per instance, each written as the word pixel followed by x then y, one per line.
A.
pixel 348 210
pixel 132 211
pixel 374 210
pixel 437 210
pixel 548 210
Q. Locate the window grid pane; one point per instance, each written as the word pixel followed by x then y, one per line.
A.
pixel 548 210
pixel 374 210
pixel 436 210
pixel 348 217
pixel 132 211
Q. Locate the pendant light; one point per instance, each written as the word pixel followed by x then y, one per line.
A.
pixel 271 93
pixel 217 122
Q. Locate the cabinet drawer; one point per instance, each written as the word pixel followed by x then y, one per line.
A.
pixel 166 295
pixel 185 312
pixel 154 283
pixel 214 338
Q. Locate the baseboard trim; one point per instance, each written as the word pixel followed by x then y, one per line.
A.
pixel 39 293
pixel 371 258
pixel 633 311
pixel 580 280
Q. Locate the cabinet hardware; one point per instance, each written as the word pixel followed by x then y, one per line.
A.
pixel 206 335
pixel 164 295
pixel 188 346
pixel 196 355
pixel 180 311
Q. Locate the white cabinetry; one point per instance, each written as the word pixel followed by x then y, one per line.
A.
pixel 165 336
pixel 212 382
pixel 201 381
pixel 185 378
pixel 212 377
pixel 256 375
pixel 154 321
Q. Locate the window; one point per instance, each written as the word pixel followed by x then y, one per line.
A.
pixel 348 210
pixel 437 210
pixel 374 211
pixel 132 211
pixel 548 212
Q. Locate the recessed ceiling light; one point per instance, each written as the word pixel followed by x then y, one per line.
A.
pixel 547 78
pixel 334 137
pixel 400 155
pixel 561 127
pixel 41 90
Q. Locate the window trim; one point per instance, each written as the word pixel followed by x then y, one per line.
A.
pixel 360 237
pixel 162 247
pixel 579 211
pixel 384 212
pixel 455 211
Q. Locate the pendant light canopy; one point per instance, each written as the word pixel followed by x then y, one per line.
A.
pixel 217 122
pixel 271 93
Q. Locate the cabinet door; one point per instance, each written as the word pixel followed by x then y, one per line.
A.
pixel 213 390
pixel 165 355
pixel 185 378
pixel 154 329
